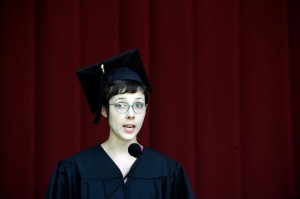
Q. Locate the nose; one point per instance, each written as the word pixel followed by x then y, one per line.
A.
pixel 130 113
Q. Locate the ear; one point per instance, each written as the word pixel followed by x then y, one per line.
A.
pixel 103 111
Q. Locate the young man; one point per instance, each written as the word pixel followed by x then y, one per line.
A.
pixel 118 89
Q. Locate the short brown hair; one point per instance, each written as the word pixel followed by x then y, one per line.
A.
pixel 123 86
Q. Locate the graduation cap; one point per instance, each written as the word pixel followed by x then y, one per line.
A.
pixel 93 78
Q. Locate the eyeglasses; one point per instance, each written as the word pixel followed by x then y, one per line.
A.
pixel 122 107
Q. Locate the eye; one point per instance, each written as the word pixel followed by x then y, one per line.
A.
pixel 139 105
pixel 121 105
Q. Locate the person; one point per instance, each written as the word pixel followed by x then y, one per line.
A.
pixel 118 89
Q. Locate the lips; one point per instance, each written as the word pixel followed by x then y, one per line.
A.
pixel 129 127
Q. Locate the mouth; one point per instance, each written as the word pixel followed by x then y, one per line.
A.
pixel 129 127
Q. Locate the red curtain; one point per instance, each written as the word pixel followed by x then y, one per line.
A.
pixel 225 78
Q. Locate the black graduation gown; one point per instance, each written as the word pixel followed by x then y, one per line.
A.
pixel 92 174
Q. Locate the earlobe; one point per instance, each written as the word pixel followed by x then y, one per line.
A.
pixel 103 111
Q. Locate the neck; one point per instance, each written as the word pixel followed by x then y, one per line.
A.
pixel 117 146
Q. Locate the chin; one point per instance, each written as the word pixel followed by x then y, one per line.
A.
pixel 129 137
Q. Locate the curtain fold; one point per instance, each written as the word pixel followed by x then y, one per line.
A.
pixel 225 79
pixel 218 100
pixel 266 124
pixel 17 109
pixel 294 62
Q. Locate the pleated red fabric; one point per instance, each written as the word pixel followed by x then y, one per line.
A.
pixel 225 79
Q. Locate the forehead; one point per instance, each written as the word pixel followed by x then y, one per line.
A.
pixel 129 96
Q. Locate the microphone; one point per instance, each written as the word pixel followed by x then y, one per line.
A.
pixel 136 151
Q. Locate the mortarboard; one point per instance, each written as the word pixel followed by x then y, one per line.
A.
pixel 93 78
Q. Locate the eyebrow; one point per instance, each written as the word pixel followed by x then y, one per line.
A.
pixel 140 98
pixel 122 98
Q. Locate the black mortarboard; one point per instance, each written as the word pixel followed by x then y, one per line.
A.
pixel 93 78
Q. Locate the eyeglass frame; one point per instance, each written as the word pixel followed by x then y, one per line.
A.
pixel 130 106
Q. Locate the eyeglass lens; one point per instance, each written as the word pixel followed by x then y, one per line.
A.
pixel 137 107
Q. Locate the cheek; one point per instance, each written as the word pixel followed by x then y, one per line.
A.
pixel 113 118
pixel 141 118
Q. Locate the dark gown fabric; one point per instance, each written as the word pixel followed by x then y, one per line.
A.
pixel 92 174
